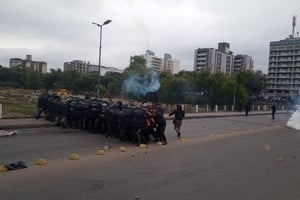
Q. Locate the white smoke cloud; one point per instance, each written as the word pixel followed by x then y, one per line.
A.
pixel 141 85
pixel 294 121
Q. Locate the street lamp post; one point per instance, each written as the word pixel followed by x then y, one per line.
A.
pixel 233 104
pixel 100 45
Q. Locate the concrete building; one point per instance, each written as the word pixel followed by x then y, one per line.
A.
pixel 76 65
pixel 284 66
pixel 171 64
pixel 161 64
pixel 153 61
pixel 84 67
pixel 242 62
pixel 39 66
pixel 221 60
pixel 94 69
pixel 215 60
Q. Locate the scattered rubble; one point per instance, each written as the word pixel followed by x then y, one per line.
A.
pixel 4 133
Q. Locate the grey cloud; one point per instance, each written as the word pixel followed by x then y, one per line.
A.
pixel 62 30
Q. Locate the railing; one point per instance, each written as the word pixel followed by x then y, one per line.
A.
pixel 222 108
pixel 27 109
pixel 17 109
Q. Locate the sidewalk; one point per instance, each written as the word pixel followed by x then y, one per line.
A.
pixel 21 123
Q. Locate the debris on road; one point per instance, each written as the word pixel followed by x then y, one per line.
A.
pixel 105 148
pixel 14 166
pixel 122 149
pixel 267 147
pixel 41 161
pixel 3 168
pixel 183 139
pixel 101 152
pixel 4 133
pixel 74 156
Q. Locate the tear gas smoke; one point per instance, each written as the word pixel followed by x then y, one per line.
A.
pixel 141 85
pixel 294 121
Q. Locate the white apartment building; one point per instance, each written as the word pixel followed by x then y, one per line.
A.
pixel 171 64
pixel 153 61
pixel 161 64
pixel 284 67
pixel 39 66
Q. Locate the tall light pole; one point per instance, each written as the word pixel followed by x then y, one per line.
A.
pixel 99 64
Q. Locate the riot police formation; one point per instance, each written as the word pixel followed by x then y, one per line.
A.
pixel 129 123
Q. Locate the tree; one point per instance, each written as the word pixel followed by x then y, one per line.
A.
pixel 137 66
pixel 216 89
pixel 33 80
pixel 53 80
pixel 139 80
pixel 112 81
pixel 5 76
pixel 253 82
pixel 202 85
pixel 18 76
pixel 100 88
pixel 174 90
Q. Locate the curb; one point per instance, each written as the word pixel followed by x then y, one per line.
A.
pixel 25 125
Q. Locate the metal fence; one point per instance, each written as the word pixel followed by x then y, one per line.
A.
pixel 22 109
pixel 17 109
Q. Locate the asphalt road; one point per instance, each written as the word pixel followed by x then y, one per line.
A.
pixel 223 158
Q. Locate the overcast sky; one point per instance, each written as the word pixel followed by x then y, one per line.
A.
pixel 58 31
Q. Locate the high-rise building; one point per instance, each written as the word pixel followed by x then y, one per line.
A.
pixel 39 66
pixel 215 60
pixel 221 60
pixel 171 64
pixel 284 66
pixel 76 65
pixel 242 62
pixel 161 64
pixel 153 61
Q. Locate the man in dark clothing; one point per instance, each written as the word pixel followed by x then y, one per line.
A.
pixel 160 123
pixel 273 109
pixel 42 104
pixel 247 108
pixel 179 115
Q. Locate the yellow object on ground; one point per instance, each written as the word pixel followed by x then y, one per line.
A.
pixel 41 161
pixel 159 143
pixel 3 168
pixel 123 149
pixel 101 152
pixel 74 156
pixel 142 146
pixel 183 139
